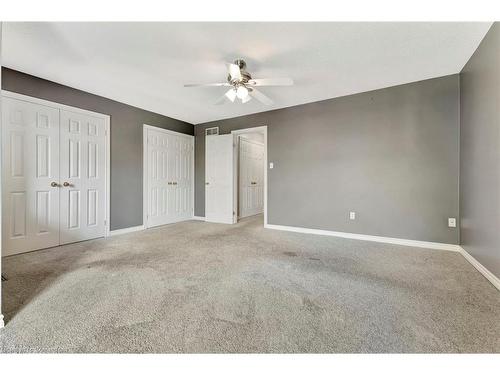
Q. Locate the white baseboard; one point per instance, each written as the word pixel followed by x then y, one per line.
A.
pixel 126 230
pixel 365 237
pixel 482 269
pixel 1 321
pixel 200 218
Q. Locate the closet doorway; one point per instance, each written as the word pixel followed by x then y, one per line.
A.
pixel 55 174
pixel 168 176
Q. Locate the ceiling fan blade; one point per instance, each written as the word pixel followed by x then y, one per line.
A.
pixel 234 72
pixel 271 82
pixel 261 97
pixel 207 84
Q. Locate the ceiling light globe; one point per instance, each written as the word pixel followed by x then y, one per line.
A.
pixel 241 92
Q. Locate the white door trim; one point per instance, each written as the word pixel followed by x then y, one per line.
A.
pixel 145 128
pixel 107 122
pixel 236 133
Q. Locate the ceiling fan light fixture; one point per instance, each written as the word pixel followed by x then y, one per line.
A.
pixel 241 92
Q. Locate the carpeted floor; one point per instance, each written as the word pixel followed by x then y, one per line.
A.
pixel 200 287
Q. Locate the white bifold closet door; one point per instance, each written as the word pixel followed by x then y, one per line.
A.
pixel 30 179
pixel 251 177
pixel 53 176
pixel 169 177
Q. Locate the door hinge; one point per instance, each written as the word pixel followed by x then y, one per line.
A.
pixel 105 222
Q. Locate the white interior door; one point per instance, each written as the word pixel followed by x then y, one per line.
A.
pixel 251 177
pixel 219 162
pixel 82 176
pixel 30 165
pixel 184 178
pixel 169 178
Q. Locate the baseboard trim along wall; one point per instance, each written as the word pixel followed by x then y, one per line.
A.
pixel 366 237
pixel 482 269
pixel 126 230
pixel 1 321
pixel 200 218
pixel 397 241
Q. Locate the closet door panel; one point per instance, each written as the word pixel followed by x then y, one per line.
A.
pixel 83 177
pixel 30 176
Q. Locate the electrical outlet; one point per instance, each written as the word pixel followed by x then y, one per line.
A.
pixel 452 222
pixel 352 215
pixel 271 165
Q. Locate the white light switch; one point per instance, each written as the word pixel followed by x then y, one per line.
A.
pixel 452 222
pixel 271 165
pixel 352 215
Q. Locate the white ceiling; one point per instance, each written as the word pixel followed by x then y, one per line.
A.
pixel 146 64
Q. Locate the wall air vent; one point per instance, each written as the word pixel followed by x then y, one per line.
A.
pixel 212 131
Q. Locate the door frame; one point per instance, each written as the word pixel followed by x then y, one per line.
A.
pixel 145 187
pixel 235 134
pixel 107 142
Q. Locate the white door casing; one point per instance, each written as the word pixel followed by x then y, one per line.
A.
pixel 168 176
pixel 219 190
pixel 82 176
pixel 30 134
pixel 45 144
pixel 251 177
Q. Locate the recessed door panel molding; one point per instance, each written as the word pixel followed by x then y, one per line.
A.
pixel 44 145
pixel 168 177
pixel 42 211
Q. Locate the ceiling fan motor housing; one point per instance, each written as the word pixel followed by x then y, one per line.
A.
pixel 245 76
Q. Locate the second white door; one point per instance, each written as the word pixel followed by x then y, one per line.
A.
pixel 83 177
pixel 219 181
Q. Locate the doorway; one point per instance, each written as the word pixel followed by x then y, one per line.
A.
pixel 250 174
pixel 250 182
pixel 222 175
pixel 168 176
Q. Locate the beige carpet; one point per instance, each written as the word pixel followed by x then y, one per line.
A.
pixel 200 287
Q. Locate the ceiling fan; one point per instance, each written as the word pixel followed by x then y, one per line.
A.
pixel 243 86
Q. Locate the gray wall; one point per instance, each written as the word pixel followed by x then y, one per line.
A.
pixel 391 155
pixel 480 153
pixel 126 138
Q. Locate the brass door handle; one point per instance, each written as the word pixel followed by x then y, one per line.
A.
pixel 66 184
pixel 170 183
pixel 206 183
pixel 175 183
pixel 54 184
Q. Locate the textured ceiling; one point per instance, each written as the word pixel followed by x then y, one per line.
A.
pixel 146 64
